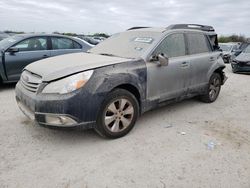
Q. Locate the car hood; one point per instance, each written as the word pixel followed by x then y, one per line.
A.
pixel 243 57
pixel 60 66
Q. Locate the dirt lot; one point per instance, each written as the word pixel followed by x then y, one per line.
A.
pixel 167 147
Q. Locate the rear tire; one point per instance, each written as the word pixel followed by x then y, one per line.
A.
pixel 213 89
pixel 117 114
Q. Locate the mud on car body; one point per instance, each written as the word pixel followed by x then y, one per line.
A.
pixel 122 77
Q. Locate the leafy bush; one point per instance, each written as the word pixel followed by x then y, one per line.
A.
pixel 232 38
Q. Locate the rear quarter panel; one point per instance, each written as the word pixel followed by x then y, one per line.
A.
pixel 219 63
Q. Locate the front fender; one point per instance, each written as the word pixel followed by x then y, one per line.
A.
pixel 134 73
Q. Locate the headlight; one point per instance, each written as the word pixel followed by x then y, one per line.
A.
pixel 68 84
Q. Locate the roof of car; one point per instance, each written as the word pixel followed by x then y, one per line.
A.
pixel 185 27
pixel 150 29
pixel 39 34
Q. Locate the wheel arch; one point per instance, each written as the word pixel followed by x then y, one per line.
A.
pixel 132 89
pixel 217 68
pixel 221 73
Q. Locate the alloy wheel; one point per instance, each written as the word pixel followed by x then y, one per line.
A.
pixel 118 115
pixel 214 88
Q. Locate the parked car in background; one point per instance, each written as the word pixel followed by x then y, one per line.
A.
pixel 90 40
pixel 84 41
pixel 229 50
pixel 3 35
pixel 20 50
pixel 99 39
pixel 242 62
pixel 242 46
pixel 122 77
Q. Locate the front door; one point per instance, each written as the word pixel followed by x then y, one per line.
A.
pixel 30 50
pixel 170 81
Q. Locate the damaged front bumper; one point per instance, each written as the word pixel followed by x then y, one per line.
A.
pixel 69 110
pixel 238 66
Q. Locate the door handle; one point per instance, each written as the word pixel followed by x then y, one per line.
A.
pixel 184 64
pixel 45 56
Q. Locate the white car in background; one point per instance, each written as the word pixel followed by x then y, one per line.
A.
pixel 229 50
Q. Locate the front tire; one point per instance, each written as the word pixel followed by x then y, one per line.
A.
pixel 117 114
pixel 213 89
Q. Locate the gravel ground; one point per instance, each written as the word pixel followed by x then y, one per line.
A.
pixel 167 148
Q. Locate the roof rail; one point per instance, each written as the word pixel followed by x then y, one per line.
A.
pixel 191 26
pixel 132 28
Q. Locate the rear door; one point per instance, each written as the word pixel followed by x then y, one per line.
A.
pixel 171 81
pixel 201 59
pixel 30 50
pixel 63 45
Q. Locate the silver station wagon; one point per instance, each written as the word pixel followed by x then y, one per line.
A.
pixel 130 73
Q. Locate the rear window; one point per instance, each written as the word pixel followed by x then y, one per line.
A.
pixel 197 43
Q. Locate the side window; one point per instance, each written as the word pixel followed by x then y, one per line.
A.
pixel 172 46
pixel 197 43
pixel 64 43
pixel 214 42
pixel 32 44
pixel 76 45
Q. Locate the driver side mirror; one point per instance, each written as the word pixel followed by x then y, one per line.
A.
pixel 13 50
pixel 161 58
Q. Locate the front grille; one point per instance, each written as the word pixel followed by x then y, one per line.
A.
pixel 30 81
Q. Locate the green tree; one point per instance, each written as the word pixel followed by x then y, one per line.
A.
pixel 70 34
pixel 16 32
pixel 101 35
pixel 232 38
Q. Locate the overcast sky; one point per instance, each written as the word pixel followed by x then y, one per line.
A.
pixel 111 16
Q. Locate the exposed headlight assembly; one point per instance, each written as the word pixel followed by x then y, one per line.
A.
pixel 68 84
